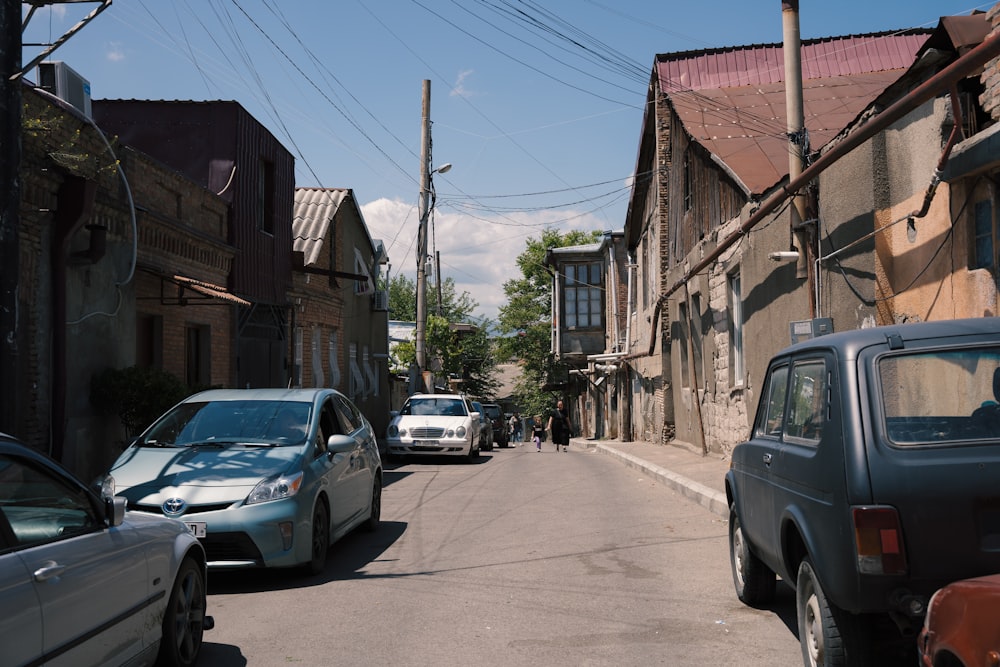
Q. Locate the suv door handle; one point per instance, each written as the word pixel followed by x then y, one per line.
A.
pixel 767 458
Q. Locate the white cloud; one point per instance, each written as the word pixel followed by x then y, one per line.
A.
pixel 459 89
pixel 115 52
pixel 480 255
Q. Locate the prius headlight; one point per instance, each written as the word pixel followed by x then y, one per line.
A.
pixel 275 488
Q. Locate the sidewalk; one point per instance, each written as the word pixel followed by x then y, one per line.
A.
pixel 680 466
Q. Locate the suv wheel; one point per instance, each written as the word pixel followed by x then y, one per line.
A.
pixel 830 636
pixel 754 581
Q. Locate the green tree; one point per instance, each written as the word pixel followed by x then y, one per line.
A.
pixel 455 307
pixel 526 319
pixel 464 352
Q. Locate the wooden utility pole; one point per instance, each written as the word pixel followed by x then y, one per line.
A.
pixel 425 196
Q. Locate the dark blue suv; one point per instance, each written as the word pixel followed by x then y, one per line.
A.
pixel 871 478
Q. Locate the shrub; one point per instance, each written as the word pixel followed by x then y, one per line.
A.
pixel 136 395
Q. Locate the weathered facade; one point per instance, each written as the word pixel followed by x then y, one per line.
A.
pixel 122 258
pixel 340 321
pixel 225 150
pixel 590 303
pixel 714 297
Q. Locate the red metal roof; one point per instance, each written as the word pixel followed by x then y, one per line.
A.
pixel 732 100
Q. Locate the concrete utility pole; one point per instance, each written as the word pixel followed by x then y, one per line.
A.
pixel 10 192
pixel 424 210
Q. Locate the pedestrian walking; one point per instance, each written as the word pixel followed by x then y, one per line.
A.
pixel 560 427
pixel 537 432
pixel 515 428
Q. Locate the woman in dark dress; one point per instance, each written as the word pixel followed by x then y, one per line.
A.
pixel 560 427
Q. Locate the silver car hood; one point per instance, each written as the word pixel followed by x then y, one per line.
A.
pixel 203 474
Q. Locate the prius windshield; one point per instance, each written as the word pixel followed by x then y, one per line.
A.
pixel 221 422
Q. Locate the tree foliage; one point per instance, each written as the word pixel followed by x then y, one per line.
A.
pixel 455 307
pixel 526 319
pixel 463 352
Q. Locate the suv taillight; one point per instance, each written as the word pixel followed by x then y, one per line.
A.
pixel 879 539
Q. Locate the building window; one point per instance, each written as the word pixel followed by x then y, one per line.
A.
pixel 696 341
pixel 582 291
pixel 333 355
pixel 682 314
pixel 297 361
pixel 149 341
pixel 197 357
pixel 356 380
pixel 316 347
pixel 735 330
pixel 984 253
pixel 265 196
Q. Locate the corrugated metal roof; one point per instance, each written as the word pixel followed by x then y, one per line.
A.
pixel 314 210
pixel 732 100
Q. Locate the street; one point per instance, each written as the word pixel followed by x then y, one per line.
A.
pixel 521 558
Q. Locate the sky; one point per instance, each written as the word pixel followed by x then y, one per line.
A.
pixel 536 104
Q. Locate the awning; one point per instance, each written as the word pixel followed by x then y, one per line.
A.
pixel 192 292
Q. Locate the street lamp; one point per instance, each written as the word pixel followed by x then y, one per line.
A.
pixel 426 206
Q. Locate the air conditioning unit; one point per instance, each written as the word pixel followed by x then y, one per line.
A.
pixel 380 300
pixel 62 81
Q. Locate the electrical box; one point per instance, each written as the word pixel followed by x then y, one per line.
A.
pixel 806 329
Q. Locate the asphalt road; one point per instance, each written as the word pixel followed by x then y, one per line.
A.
pixel 519 559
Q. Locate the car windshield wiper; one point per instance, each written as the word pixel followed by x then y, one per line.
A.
pixel 157 443
pixel 209 443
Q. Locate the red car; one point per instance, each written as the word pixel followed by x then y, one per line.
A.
pixel 962 626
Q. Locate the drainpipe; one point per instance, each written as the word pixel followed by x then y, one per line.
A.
pixel 798 138
pixel 616 345
pixel 631 266
pixel 955 136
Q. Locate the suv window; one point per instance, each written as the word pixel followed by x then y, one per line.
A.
pixel 966 401
pixel 807 408
pixel 772 411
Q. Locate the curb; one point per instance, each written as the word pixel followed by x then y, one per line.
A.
pixel 710 499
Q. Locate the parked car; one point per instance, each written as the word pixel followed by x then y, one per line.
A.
pixel 263 477
pixel 485 426
pixel 870 479
pixel 498 423
pixel 435 424
pixel 86 582
pixel 962 627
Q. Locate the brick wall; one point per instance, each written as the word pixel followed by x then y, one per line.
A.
pixel 990 99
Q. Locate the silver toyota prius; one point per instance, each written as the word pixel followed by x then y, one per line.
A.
pixel 263 477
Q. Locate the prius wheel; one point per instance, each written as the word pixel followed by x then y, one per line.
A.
pixel 320 538
pixel 184 618
pixel 376 514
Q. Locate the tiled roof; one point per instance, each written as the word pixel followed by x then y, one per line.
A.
pixel 314 209
pixel 732 101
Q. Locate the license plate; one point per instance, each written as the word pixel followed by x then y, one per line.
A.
pixel 426 443
pixel 199 528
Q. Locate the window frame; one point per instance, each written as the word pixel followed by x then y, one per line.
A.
pixel 592 295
